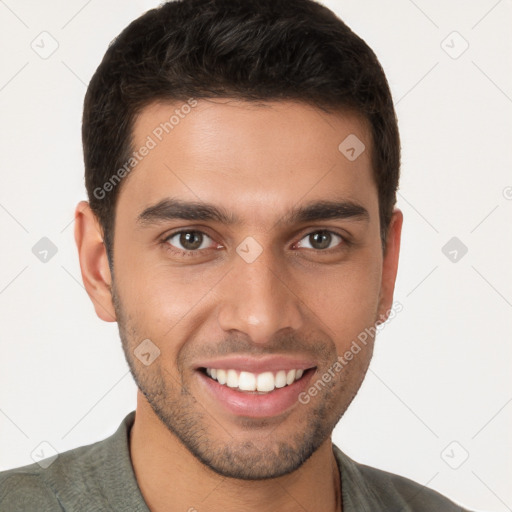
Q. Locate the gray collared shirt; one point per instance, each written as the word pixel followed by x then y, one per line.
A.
pixel 100 477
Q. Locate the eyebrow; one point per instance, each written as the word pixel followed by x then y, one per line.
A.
pixel 173 208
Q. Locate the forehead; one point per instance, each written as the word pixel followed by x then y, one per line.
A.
pixel 262 158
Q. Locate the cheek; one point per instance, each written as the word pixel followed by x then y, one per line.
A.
pixel 346 298
pixel 160 299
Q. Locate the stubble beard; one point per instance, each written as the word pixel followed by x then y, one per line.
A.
pixel 228 454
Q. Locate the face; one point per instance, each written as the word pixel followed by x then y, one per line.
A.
pixel 247 255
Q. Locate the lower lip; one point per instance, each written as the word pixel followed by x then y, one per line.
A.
pixel 255 405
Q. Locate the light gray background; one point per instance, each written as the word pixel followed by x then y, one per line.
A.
pixel 441 370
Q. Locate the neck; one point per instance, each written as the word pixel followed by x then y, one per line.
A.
pixel 171 478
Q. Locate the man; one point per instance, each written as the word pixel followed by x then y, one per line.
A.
pixel 241 162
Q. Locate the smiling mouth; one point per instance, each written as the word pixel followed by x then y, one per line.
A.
pixel 255 383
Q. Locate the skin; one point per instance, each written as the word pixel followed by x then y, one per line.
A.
pixel 258 161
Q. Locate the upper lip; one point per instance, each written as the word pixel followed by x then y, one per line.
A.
pixel 259 364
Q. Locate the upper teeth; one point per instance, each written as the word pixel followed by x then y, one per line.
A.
pixel 247 381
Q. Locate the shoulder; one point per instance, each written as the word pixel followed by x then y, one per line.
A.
pixel 23 489
pixel 415 497
pixel 373 486
pixel 58 483
pixel 37 487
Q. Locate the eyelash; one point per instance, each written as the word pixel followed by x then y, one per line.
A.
pixel 165 241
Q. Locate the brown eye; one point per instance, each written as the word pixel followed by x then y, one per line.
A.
pixel 320 240
pixel 188 240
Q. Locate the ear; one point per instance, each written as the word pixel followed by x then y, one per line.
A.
pixel 93 261
pixel 390 265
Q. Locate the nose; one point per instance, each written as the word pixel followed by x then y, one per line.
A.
pixel 259 299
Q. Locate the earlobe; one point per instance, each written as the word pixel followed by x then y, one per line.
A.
pixel 93 261
pixel 390 265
